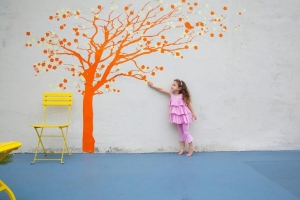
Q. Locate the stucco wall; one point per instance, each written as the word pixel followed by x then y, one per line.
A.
pixel 245 87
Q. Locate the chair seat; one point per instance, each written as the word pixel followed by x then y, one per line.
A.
pixel 50 125
pixel 6 146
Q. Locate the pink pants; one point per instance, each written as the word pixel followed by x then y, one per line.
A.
pixel 184 133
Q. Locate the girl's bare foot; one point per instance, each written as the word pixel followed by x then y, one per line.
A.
pixel 181 151
pixel 190 153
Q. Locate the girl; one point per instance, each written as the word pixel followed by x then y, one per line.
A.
pixel 180 112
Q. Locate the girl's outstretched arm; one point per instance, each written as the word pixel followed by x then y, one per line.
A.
pixel 191 109
pixel 158 88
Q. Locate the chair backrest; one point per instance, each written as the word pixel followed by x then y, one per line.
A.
pixel 57 99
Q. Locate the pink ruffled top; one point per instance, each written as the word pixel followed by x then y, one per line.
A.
pixel 179 112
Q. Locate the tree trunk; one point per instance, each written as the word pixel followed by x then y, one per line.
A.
pixel 88 141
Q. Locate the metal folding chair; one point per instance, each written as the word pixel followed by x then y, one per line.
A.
pixel 53 99
pixel 5 149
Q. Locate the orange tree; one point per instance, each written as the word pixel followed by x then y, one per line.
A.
pixel 106 39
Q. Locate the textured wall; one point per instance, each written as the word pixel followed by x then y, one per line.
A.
pixel 245 86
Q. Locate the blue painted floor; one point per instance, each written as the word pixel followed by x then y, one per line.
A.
pixel 162 176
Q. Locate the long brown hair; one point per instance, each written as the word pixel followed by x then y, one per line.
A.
pixel 184 90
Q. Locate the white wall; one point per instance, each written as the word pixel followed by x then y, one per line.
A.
pixel 245 87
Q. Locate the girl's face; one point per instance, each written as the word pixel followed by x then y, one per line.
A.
pixel 175 88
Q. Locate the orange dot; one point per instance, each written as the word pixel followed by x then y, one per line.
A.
pixel 65 80
pixel 107 86
pixel 161 8
pixel 195 4
pixel 64 16
pixel 50 17
pixel 64 39
pixel 77 13
pixel 158 43
pixel 153 73
pixel 99 7
pixel 177 54
pixel 75 40
pixel 45 51
pixel 161 68
pixel 118 90
pixel 27 33
pixel 61 27
pixel 224 8
pixel 163 37
pixel 125 8
pixel 240 13
pixel 60 62
pixel 49 66
pixel 69 43
pixel 183 1
pixel 26 45
pixel 131 12
pixel 42 39
pixel 212 35
pixel 196 47
pixel 186 46
pixel 56 59
pixel 220 35
pixel 30 45
pixel 172 6
pixel 212 12
pixel 143 66
pixel 79 90
pixel 60 85
pixel 180 19
pixel 191 8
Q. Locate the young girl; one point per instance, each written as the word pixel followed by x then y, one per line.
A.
pixel 181 112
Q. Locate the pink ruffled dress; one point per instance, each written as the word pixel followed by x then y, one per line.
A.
pixel 179 112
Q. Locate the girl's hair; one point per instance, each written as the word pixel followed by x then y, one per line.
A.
pixel 184 90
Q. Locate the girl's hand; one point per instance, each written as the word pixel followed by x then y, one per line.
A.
pixel 194 116
pixel 150 84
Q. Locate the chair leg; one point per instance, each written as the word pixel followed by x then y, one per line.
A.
pixel 4 187
pixel 38 146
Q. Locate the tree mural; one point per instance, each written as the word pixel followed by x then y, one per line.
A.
pixel 108 38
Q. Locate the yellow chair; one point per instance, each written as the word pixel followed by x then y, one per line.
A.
pixel 5 149
pixel 54 99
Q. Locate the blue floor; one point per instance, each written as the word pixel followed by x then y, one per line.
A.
pixel 205 176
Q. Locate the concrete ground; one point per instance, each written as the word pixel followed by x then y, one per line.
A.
pixel 159 176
